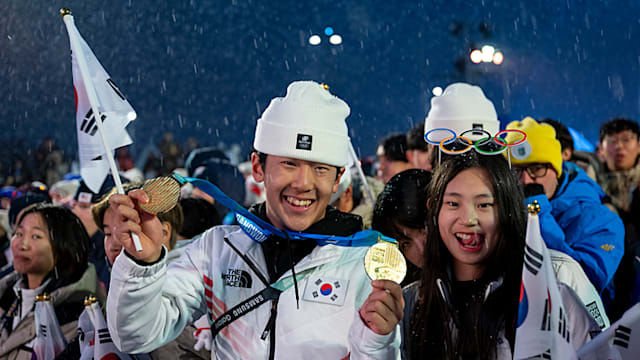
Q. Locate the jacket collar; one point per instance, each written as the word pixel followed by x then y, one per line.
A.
pixel 334 221
pixel 445 291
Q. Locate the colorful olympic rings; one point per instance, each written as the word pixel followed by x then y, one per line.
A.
pixel 524 137
pixel 456 152
pixel 453 136
pixel 477 130
pixel 477 144
pixel 486 140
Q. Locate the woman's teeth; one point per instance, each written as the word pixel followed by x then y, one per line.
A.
pixel 469 240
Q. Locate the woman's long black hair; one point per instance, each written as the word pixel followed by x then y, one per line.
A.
pixel 69 243
pixel 432 317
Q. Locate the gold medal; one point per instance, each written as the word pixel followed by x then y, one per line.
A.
pixel 384 261
pixel 163 193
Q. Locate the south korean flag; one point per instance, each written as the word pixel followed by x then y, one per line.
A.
pixel 621 341
pixel 542 330
pixel 326 290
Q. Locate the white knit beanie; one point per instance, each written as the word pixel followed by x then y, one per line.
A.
pixel 461 107
pixel 307 124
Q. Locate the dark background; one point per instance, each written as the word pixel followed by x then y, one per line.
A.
pixel 209 68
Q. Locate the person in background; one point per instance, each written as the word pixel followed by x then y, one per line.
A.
pixel 563 136
pixel 21 200
pixel 419 152
pixel 351 197
pixel 50 248
pixel 401 213
pixel 81 205
pixel 585 160
pixel 171 223
pixel 620 148
pixel 573 219
pixel 199 216
pixel 63 191
pixel 619 177
pixel 6 193
pixel 392 157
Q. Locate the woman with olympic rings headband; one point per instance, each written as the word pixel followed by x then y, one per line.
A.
pixel 466 304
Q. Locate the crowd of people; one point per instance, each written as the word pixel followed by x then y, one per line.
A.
pixel 281 277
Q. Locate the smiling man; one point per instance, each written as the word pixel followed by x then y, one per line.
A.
pixel 266 296
pixel 573 219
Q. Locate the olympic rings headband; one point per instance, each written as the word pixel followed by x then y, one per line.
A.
pixel 476 145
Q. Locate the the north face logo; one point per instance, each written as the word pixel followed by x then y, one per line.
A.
pixel 304 142
pixel 237 278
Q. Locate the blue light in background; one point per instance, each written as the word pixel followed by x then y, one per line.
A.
pixel 328 31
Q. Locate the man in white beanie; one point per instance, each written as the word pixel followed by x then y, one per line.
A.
pixel 246 279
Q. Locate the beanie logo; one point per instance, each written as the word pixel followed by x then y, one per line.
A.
pixel 304 142
pixel 521 151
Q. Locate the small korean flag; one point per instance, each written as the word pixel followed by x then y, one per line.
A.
pixel 326 290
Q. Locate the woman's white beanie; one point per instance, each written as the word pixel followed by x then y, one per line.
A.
pixel 461 107
pixel 307 124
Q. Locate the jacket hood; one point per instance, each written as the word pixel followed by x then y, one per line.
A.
pixel 575 186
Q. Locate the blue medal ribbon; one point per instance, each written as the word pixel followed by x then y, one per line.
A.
pixel 260 230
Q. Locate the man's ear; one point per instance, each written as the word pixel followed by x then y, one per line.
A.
pixel 166 234
pixel 256 168
pixel 337 182
pixel 409 154
pixel 348 193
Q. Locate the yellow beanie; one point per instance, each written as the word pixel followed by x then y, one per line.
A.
pixel 541 145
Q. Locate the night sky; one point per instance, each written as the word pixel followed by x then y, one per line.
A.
pixel 209 68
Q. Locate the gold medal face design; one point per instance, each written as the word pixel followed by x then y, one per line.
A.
pixel 384 261
pixel 163 193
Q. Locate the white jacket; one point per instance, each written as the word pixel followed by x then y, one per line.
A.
pixel 148 306
pixel 569 271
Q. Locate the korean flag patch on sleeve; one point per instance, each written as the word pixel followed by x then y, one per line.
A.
pixel 326 290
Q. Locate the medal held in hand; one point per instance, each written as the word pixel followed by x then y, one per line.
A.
pixel 163 193
pixel 384 261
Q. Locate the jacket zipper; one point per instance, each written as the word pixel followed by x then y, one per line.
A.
pixel 270 329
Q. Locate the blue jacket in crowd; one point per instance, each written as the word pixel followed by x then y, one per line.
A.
pixel 576 222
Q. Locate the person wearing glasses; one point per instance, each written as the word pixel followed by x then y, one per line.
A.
pixel 573 219
pixel 620 150
pixel 619 177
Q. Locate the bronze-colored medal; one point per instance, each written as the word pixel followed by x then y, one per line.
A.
pixel 384 261
pixel 163 193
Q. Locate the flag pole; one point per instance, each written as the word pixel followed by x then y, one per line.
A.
pixel 93 100
pixel 361 174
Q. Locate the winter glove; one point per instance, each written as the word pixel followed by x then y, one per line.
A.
pixel 204 339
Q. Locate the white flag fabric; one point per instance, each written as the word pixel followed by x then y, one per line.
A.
pixel 49 338
pixel 621 341
pixel 542 321
pixel 104 347
pixel 86 334
pixel 116 113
